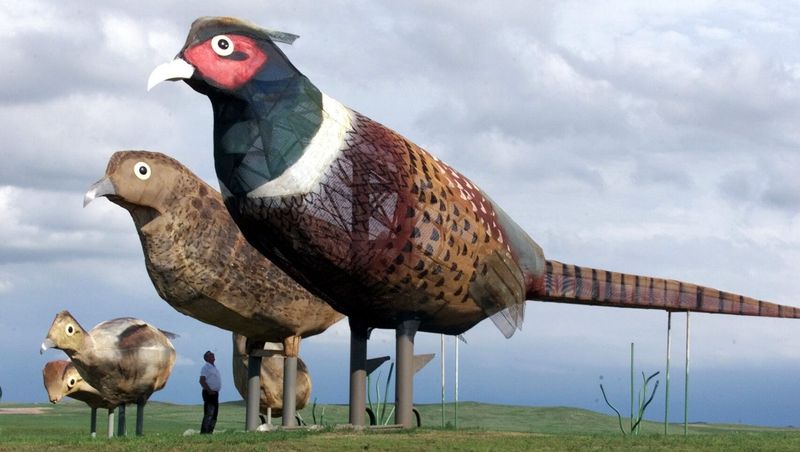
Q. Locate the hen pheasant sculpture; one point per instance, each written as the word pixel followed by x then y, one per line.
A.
pixel 125 359
pixel 201 264
pixel 61 379
pixel 375 225
pixel 271 393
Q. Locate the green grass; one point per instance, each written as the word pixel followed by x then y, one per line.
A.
pixel 481 427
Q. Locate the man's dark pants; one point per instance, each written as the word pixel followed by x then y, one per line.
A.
pixel 210 410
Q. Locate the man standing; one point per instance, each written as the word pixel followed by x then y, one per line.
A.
pixel 211 383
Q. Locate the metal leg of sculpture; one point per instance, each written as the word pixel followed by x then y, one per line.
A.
pixel 111 423
pixel 358 373
pixel 289 390
pixel 140 418
pixel 291 348
pixel 93 423
pixel 253 391
pixel 404 383
pixel 121 421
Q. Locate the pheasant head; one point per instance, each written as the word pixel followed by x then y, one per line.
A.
pixel 65 334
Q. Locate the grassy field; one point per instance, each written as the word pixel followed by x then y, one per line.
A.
pixel 481 427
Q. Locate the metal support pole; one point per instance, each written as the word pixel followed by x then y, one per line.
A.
pixel 404 383
pixel 358 373
pixel 140 418
pixel 686 383
pixel 666 382
pixel 93 423
pixel 289 391
pixel 111 423
pixel 253 391
pixel 455 409
pixel 441 355
pixel 269 415
pixel 631 388
pixel 121 421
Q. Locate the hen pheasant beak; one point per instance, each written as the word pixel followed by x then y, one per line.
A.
pixel 45 345
pixel 103 187
pixel 176 69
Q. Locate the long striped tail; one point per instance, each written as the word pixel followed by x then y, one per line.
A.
pixel 572 284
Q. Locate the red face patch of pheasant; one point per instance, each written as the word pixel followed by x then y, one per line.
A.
pixel 227 61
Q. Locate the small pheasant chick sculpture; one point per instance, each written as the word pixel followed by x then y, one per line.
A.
pixel 61 379
pixel 125 359
pixel 271 398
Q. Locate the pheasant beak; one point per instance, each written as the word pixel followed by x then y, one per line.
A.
pixel 103 187
pixel 48 343
pixel 176 69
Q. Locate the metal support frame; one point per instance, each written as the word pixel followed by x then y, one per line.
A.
pixel 253 391
pixel 140 417
pixel 358 372
pixel 404 383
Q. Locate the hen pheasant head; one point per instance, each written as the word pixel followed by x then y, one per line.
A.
pixel 144 183
pixel 61 378
pixel 65 334
pixel 224 54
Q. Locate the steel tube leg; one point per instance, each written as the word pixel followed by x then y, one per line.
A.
pixel 404 383
pixel 111 423
pixel 140 418
pixel 121 421
pixel 93 423
pixel 289 391
pixel 253 392
pixel 358 373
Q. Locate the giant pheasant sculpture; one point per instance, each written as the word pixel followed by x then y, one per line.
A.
pixel 375 225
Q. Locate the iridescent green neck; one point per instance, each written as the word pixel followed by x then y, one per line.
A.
pixel 263 130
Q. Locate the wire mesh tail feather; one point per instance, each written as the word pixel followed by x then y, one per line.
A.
pixel 572 284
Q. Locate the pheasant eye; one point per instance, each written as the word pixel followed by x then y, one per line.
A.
pixel 142 170
pixel 222 45
pixel 71 382
pixel 70 330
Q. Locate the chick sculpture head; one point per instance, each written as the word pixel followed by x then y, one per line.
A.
pixel 65 333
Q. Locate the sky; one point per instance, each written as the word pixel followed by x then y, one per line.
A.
pixel 655 138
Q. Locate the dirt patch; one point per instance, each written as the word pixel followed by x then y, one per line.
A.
pixel 24 410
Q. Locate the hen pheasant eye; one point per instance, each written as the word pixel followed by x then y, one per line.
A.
pixel 142 170
pixel 222 45
pixel 71 383
pixel 70 330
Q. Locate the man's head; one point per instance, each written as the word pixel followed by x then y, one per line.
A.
pixel 209 356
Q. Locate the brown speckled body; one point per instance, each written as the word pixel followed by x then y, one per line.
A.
pixel 125 359
pixel 61 378
pixel 392 233
pixel 271 378
pixel 198 260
